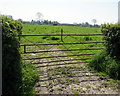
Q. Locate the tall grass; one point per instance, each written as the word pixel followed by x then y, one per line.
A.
pixel 29 77
pixel 104 63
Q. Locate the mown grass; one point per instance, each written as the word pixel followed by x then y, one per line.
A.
pixel 48 29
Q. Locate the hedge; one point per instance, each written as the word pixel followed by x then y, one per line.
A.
pixel 11 68
pixel 108 61
pixel 18 77
pixel 112 40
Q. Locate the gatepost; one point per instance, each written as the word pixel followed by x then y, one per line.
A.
pixel 119 12
pixel 0 56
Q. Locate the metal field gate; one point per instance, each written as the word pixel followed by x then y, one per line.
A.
pixel 60 62
pixel 60 49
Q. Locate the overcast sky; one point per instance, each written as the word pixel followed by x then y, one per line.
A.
pixel 63 11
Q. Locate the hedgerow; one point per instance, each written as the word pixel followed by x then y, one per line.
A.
pixel 109 60
pixel 18 77
pixel 112 40
pixel 11 69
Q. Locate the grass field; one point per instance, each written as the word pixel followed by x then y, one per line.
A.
pixel 47 29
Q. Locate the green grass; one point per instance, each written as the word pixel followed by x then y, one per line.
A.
pixel 47 29
pixel 102 63
pixel 105 64
pixel 29 77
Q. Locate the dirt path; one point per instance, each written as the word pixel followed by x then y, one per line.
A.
pixel 70 79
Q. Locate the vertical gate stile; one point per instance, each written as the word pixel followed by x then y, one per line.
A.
pixel 62 35
pixel 24 48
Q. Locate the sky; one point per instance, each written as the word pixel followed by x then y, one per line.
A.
pixel 63 11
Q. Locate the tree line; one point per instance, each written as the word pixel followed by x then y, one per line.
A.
pixel 56 23
pixel 40 21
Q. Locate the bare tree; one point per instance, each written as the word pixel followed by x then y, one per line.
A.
pixel 39 16
pixel 94 21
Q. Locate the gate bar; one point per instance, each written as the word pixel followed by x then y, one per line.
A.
pixel 61 43
pixel 62 64
pixel 62 35
pixel 63 50
pixel 61 60
pixel 57 56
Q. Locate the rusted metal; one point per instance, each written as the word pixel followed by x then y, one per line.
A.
pixel 57 56
pixel 63 64
pixel 60 43
pixel 62 60
pixel 63 35
pixel 62 50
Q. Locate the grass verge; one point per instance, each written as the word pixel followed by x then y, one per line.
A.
pixel 29 77
pixel 104 63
